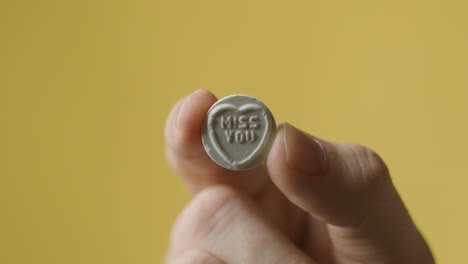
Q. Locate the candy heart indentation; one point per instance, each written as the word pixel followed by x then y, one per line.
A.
pixel 248 154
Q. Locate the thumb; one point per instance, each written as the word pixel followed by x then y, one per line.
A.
pixel 346 185
pixel 336 182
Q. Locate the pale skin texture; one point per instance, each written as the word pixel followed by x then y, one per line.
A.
pixel 312 201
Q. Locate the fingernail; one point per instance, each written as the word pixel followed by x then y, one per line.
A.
pixel 303 153
pixel 182 111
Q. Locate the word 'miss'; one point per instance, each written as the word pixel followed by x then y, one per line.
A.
pixel 240 129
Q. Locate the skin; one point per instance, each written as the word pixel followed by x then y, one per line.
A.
pixel 312 201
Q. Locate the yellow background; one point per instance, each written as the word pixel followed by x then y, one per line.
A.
pixel 85 87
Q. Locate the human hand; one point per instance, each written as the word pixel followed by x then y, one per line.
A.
pixel 312 201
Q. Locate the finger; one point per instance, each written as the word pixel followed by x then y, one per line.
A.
pixel 186 154
pixel 226 224
pixel 346 185
pixel 335 182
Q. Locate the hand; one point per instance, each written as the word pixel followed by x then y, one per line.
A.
pixel 313 201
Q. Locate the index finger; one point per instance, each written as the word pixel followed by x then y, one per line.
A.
pixel 187 156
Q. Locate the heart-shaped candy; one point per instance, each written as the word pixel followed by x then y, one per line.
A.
pixel 238 132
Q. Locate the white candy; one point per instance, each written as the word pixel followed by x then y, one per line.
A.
pixel 238 132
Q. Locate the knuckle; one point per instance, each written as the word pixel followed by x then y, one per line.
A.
pixel 379 182
pixel 374 164
pixel 214 200
pixel 207 214
pixel 364 179
pixel 369 168
pixel 362 170
pixel 376 182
